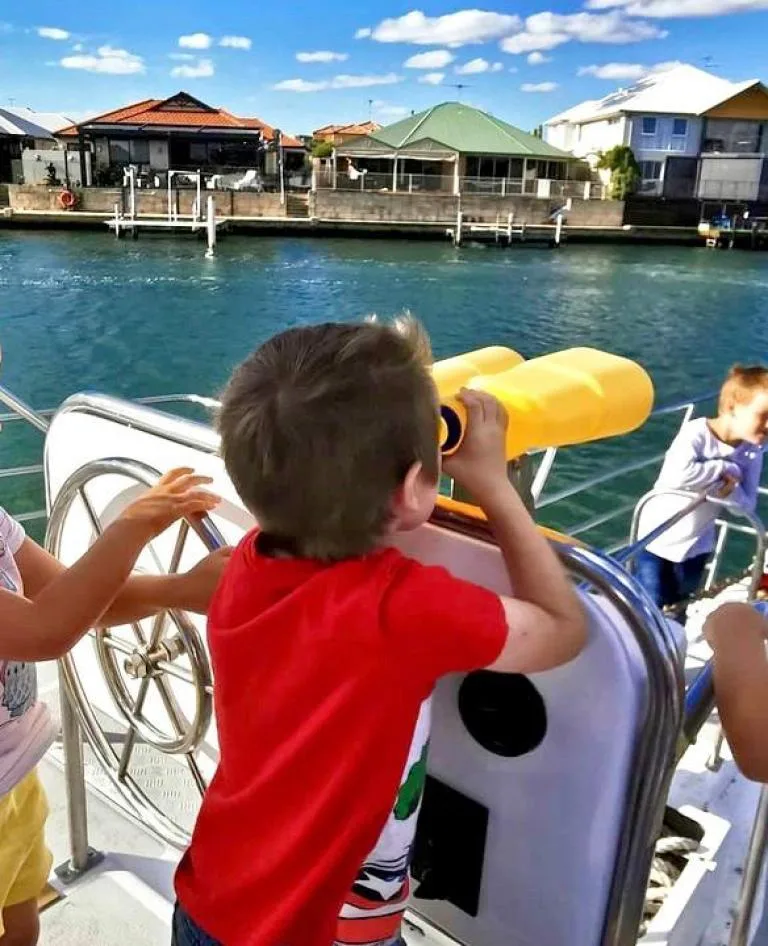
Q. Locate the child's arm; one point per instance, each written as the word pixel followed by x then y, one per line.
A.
pixel 745 492
pixel 141 596
pixel 736 633
pixel 684 467
pixel 76 599
pixel 545 620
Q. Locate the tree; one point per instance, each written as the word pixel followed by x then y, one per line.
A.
pixel 625 171
pixel 322 149
pixel 538 131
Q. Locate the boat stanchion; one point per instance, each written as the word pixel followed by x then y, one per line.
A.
pixel 82 856
pixel 752 869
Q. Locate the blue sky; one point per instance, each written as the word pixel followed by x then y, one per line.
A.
pixel 302 64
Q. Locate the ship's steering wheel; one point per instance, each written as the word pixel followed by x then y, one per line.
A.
pixel 158 677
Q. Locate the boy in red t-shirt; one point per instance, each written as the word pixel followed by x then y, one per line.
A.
pixel 325 640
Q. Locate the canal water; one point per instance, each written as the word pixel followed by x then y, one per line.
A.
pixel 83 311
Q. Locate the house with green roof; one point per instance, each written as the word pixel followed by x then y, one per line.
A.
pixel 450 148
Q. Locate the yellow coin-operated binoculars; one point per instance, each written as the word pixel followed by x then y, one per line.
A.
pixel 564 398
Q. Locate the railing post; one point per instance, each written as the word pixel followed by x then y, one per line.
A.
pixel 752 868
pixel 83 857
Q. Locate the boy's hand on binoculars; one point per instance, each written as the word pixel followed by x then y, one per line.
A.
pixel 480 463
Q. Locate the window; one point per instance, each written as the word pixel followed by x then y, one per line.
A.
pixel 649 126
pixel 650 170
pixel 119 152
pixel 198 152
pixel 486 167
pixel 679 127
pixel 139 152
pixel 128 152
pixel 731 137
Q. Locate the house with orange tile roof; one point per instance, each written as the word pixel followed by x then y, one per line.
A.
pixel 180 133
pixel 337 134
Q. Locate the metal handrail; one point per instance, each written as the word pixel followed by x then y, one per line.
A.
pixel 697 499
pixel 21 411
pixel 654 761
pixel 687 408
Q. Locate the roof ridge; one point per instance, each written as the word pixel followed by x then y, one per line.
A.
pixel 425 115
pixel 503 126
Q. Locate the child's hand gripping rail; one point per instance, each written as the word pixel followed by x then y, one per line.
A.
pixel 564 398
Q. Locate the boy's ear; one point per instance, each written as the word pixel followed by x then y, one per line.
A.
pixel 407 496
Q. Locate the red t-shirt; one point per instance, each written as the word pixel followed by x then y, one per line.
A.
pixel 319 672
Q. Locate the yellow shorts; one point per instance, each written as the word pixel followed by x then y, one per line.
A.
pixel 25 861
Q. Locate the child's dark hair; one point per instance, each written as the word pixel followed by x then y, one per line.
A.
pixel 741 385
pixel 319 427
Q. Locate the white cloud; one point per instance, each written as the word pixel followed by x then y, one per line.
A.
pixel 432 78
pixel 364 82
pixel 363 33
pixel 614 70
pixel 181 57
pixel 202 69
pixel 538 87
pixel 299 85
pixel 392 111
pixel 526 42
pixel 196 41
pixel 338 82
pixel 453 29
pixel 235 42
pixel 625 70
pixel 497 67
pixel 78 48
pixel 53 32
pixel 538 59
pixel 107 61
pixel 548 30
pixel 322 55
pixel 473 67
pixel 434 59
pixel 680 8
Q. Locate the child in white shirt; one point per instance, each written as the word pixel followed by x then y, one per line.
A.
pixel 722 455
pixel 44 610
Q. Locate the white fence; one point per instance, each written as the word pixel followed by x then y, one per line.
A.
pixel 374 181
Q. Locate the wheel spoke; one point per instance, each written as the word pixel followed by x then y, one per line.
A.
pixel 130 742
pixel 178 673
pixel 138 630
pixel 118 644
pixel 178 548
pixel 95 521
pixel 158 626
pixel 171 705
pixel 197 775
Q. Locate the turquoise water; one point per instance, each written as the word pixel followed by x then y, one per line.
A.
pixel 83 311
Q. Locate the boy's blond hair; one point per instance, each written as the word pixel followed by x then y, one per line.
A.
pixel 741 385
pixel 319 427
